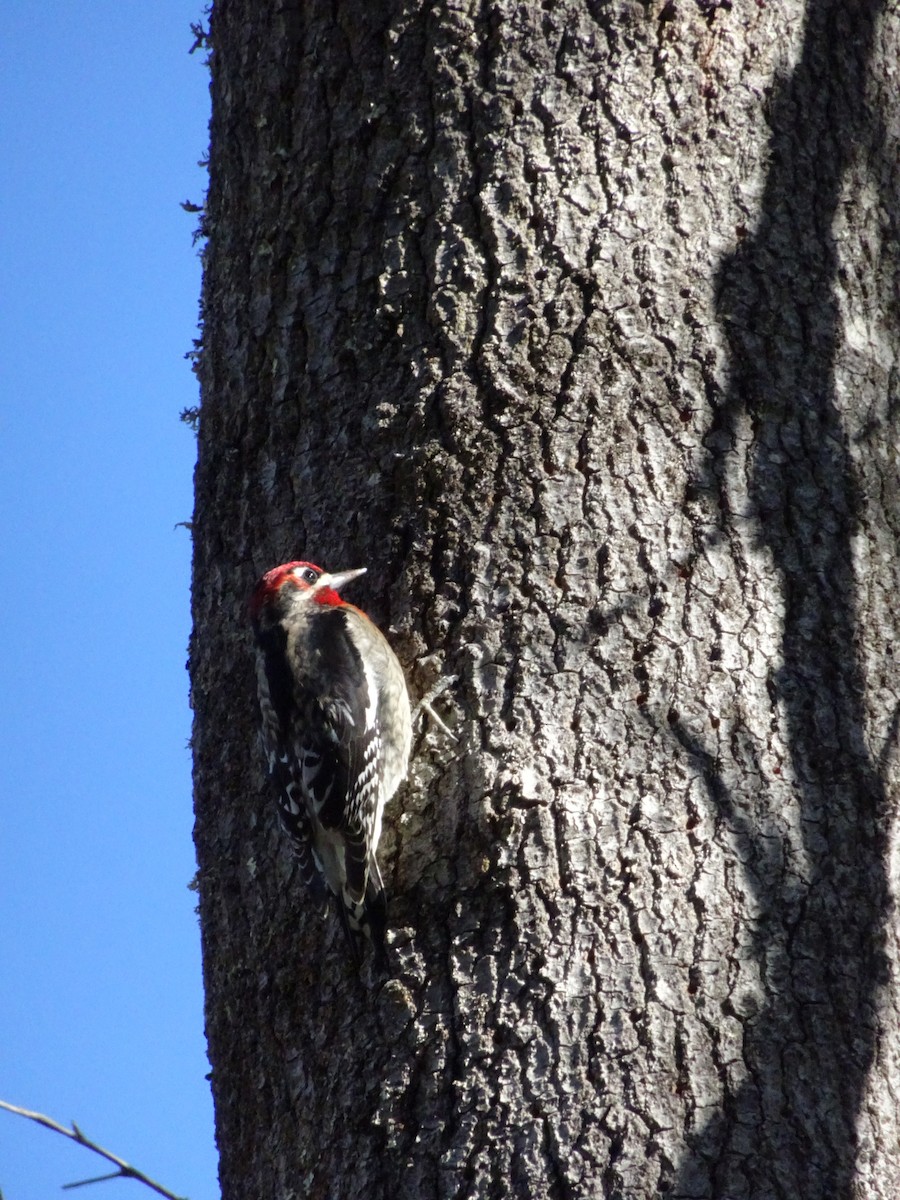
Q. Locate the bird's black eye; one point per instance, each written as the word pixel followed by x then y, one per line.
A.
pixel 309 575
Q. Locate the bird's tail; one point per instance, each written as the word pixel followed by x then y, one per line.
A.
pixel 366 917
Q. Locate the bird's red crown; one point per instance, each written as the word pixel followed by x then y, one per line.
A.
pixel 305 576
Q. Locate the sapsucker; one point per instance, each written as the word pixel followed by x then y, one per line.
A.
pixel 337 731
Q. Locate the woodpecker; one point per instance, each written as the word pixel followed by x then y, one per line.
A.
pixel 336 729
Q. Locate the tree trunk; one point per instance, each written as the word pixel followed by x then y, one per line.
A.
pixel 576 323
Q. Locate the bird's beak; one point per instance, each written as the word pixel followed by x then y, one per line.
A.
pixel 339 578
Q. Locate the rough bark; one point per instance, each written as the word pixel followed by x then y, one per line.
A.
pixel 576 323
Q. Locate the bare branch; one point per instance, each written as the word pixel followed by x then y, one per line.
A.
pixel 125 1170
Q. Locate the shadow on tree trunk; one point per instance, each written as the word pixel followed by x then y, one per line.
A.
pixel 790 1130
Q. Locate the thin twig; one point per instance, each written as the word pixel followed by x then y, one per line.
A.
pixel 125 1170
pixel 96 1179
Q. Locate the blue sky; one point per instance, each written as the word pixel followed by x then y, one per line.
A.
pixel 103 118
